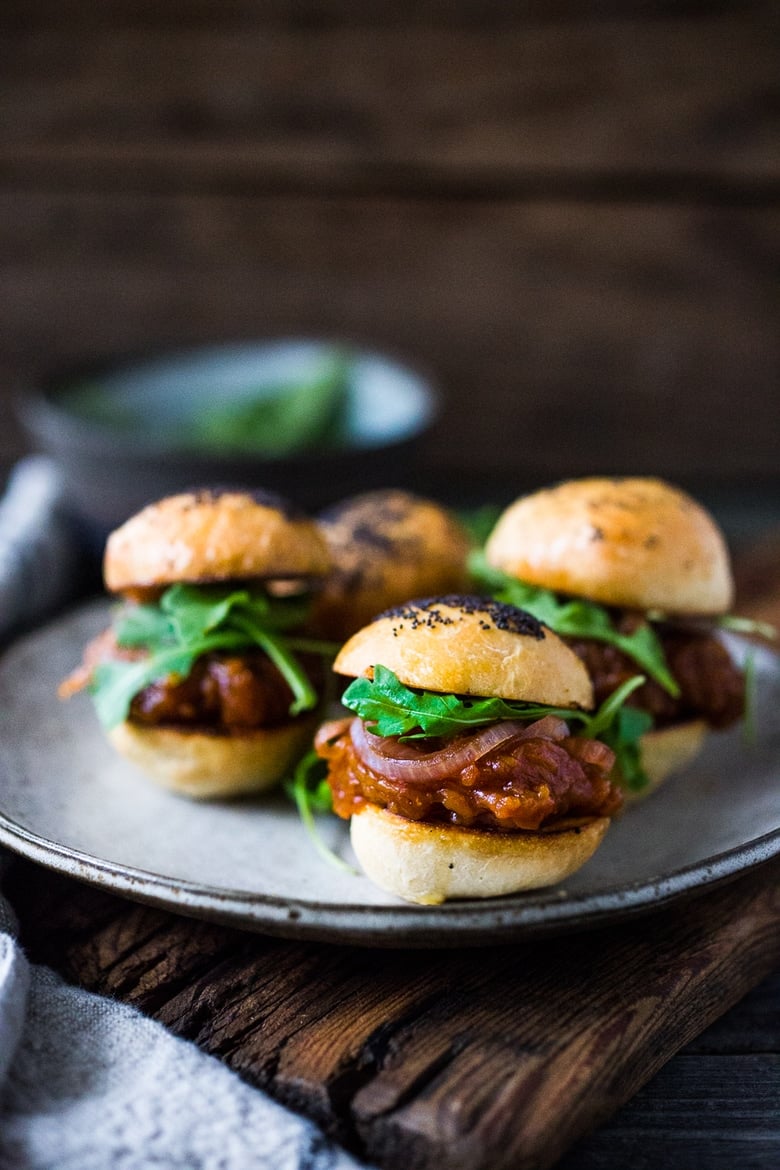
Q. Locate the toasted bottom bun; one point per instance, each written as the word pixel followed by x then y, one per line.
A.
pixel 666 751
pixel 204 765
pixel 428 863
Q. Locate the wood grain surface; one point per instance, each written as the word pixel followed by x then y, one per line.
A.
pixel 401 106
pixel 488 1060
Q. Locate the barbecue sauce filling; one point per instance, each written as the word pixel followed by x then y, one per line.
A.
pixel 712 687
pixel 536 784
pixel 224 693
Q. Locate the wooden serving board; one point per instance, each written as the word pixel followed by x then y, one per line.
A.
pixel 494 1058
pixel 485 1059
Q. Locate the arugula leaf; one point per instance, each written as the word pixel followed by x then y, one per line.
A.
pixel 114 684
pixel 576 619
pixel 142 625
pixel 195 610
pixel 623 737
pixel 479 522
pixel 311 793
pixel 305 696
pixel 743 625
pixel 190 621
pixel 749 726
pixel 395 710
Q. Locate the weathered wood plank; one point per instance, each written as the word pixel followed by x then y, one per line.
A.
pixel 317 13
pixel 755 1031
pixel 595 337
pixel 713 1112
pixel 461 1059
pixel 398 107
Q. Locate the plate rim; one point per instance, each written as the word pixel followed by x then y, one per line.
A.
pixel 489 920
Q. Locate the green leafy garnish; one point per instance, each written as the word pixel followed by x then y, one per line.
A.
pixel 392 709
pixel 311 793
pixel 742 625
pixel 190 621
pixel 576 618
pixel 480 522
pixel 115 684
pixel 623 736
pixel 749 730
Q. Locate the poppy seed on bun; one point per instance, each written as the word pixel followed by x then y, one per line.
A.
pixel 386 546
pixel 469 645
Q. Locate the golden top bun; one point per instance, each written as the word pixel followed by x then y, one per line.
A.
pixel 638 543
pixel 210 536
pixel 386 546
pixel 203 765
pixel 428 863
pixel 665 751
pixel 470 646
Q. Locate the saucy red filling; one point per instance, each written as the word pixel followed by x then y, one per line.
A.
pixel 529 785
pixel 712 687
pixel 224 692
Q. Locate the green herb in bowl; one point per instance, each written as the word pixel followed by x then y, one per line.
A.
pixel 278 421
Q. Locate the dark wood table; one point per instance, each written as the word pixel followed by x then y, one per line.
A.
pixel 482 1059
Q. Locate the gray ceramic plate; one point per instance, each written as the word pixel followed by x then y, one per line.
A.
pixel 67 801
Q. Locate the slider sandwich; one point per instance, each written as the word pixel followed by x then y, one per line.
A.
pixel 635 576
pixel 386 546
pixel 203 679
pixel 471 766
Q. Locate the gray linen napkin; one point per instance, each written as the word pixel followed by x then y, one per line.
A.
pixel 87 1083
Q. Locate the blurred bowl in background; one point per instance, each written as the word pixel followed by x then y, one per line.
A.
pixel 313 419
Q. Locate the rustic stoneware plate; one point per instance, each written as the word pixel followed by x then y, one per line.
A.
pixel 68 802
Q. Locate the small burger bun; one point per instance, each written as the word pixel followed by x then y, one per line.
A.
pixel 386 546
pixel 466 645
pixel 210 536
pixel 430 863
pixel 205 765
pixel 630 542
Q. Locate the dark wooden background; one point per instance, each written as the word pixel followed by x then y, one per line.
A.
pixel 568 212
